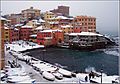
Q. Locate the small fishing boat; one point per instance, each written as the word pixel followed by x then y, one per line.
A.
pixel 48 76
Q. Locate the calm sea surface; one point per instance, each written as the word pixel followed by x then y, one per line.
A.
pixel 75 60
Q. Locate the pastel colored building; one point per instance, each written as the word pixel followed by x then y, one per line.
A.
pixel 25 32
pixel 85 23
pixel 2 54
pixel 30 13
pixel 14 34
pixel 55 22
pixel 48 15
pixel 11 34
pixel 50 37
pixel 6 34
pixel 63 10
pixel 15 19
pixel 67 28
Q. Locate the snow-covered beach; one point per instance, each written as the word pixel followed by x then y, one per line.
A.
pixel 23 46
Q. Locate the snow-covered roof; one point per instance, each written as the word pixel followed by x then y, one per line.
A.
pixel 6 28
pixel 4 19
pixel 16 29
pixel 26 26
pixel 60 17
pixel 85 33
pixel 41 20
pixel 39 28
pixel 34 35
pixel 50 30
pixel 66 26
pixel 53 22
pixel 47 37
pixel 18 25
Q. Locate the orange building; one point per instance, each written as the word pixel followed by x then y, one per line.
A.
pixel 85 23
pixel 2 54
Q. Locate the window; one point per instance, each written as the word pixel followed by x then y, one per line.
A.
pixel 6 36
pixel 6 32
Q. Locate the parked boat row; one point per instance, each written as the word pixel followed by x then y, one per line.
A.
pixel 15 75
pixel 48 70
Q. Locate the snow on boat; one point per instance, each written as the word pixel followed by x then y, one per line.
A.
pixel 48 76
pixel 65 72
pixel 58 75
pixel 28 81
pixel 16 79
pixel 105 79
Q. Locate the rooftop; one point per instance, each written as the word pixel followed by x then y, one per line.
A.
pixel 85 33
pixel 50 30
pixel 26 26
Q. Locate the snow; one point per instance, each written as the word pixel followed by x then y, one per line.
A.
pixel 65 72
pixel 18 25
pixel 4 19
pixel 48 75
pixel 26 26
pixel 22 46
pixel 85 33
pixel 6 28
pixel 61 17
pixel 39 28
pixel 50 30
pixel 66 26
pixel 53 22
pixel 105 79
pixel 47 37
pixel 41 20
pixel 34 35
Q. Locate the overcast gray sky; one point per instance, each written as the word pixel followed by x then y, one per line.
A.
pixel 106 12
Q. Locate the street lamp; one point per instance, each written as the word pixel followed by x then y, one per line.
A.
pixel 101 74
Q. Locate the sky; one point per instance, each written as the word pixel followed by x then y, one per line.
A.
pixel 106 12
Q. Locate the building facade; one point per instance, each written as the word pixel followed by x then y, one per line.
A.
pixel 15 19
pixel 56 22
pixel 6 34
pixel 50 37
pixel 84 23
pixel 63 10
pixel 14 34
pixel 25 32
pixel 30 13
pixel 67 28
pixel 48 15
pixel 2 54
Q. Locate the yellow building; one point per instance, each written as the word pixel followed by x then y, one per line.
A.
pixel 2 54
pixel 67 28
pixel 48 15
pixel 6 34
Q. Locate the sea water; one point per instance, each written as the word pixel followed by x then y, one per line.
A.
pixel 79 61
pixel 76 60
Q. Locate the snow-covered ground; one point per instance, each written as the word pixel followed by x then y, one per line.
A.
pixel 33 74
pixel 23 45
